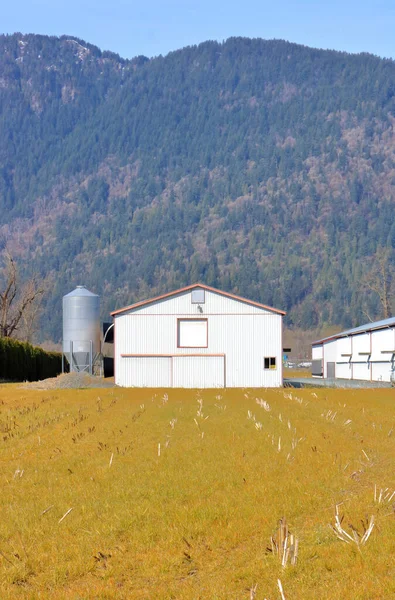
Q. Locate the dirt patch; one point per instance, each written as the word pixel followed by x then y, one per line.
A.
pixel 70 381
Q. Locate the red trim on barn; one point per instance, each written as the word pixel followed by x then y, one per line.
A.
pixel 191 287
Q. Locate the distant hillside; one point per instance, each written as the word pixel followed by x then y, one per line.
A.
pixel 260 167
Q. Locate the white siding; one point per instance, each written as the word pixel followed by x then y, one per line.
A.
pixel 372 355
pixel 383 342
pixel 362 371
pixel 329 355
pixel 199 371
pixel 361 347
pixel 317 352
pixel 244 334
pixel 181 304
pixel 382 371
pixel 144 371
pixel 344 370
pixel 344 349
pixel 343 358
pixel 361 356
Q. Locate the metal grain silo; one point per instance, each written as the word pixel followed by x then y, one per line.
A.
pixel 81 329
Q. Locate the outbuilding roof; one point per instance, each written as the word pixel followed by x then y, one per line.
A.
pixel 191 287
pixel 361 329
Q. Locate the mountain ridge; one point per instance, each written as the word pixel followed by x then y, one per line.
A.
pixel 260 167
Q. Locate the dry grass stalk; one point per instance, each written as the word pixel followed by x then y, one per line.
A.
pixel 65 515
pixel 200 409
pixel 253 589
pixel 355 537
pixel 330 416
pixel 385 495
pixel 263 404
pixel 47 509
pixel 280 587
pixel 284 544
pixel 7 559
pixel 365 454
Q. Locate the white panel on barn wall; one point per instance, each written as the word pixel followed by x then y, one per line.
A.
pixel 383 340
pixel 317 352
pixel 361 347
pixel 192 333
pixel 381 371
pixel 361 371
pixel 360 357
pixel 343 370
pixel 147 371
pixel 329 354
pixel 344 349
pixel 383 343
pixel 198 371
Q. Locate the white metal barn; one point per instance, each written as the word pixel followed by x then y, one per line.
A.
pixel 198 337
pixel 365 353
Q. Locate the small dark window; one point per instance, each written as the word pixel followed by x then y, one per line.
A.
pixel 269 362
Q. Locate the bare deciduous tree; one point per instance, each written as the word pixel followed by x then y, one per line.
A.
pixel 19 303
pixel 380 279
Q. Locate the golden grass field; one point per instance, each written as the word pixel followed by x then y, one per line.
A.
pixel 298 373
pixel 178 496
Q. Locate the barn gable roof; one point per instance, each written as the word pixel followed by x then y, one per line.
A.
pixel 191 287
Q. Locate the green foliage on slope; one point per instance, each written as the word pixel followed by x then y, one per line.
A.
pixel 260 167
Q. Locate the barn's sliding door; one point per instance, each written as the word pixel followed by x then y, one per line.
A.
pixel 148 371
pixel 199 371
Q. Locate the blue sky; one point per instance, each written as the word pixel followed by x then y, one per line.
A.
pixel 153 27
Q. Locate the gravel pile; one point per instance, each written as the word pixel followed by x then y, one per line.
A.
pixel 70 381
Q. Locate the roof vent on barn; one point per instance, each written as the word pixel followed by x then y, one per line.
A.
pixel 197 296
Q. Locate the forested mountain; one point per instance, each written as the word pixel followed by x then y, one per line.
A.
pixel 260 167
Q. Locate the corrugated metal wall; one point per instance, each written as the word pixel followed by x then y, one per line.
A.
pixel 199 371
pixel 367 356
pixel 343 368
pixel 329 354
pixel 243 333
pixel 317 352
pixel 144 371
pixel 383 342
pixel 361 356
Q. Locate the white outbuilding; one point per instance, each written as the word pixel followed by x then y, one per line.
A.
pixel 198 337
pixel 366 353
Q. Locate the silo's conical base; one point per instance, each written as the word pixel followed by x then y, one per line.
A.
pixel 80 362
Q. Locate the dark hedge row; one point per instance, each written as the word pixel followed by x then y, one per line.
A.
pixel 23 362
